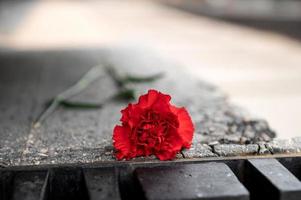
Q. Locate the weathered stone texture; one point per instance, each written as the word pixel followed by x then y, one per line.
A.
pixel 235 149
pixel 73 136
pixel 283 146
pixel 198 151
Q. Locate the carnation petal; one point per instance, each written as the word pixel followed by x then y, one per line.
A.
pixel 186 128
pixel 121 142
pixel 162 103
pixel 126 113
pixel 166 155
pixel 130 115
pixel 170 147
pixel 147 100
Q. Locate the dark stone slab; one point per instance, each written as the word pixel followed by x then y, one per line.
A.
pixel 268 179
pixel 73 136
pixel 102 183
pixel 6 182
pixel 293 164
pixel 29 185
pixel 191 181
pixel 66 183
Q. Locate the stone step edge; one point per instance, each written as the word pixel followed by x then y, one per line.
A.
pixel 275 146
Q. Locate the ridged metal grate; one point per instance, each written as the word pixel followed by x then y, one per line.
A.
pixel 240 178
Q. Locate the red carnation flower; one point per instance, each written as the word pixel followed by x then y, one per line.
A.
pixel 152 126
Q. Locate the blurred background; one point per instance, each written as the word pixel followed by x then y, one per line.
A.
pixel 251 49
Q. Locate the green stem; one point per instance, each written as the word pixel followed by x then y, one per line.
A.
pixel 124 95
pixel 138 79
pixel 81 105
pixel 113 74
pixel 93 74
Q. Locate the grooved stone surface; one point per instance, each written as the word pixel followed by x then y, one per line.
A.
pixel 6 181
pixel 29 79
pixel 194 181
pixel 102 183
pixel 274 180
pixel 29 185
pixel 66 183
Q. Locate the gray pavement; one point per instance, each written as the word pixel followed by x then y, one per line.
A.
pixel 30 79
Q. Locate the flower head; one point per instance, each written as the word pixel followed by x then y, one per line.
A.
pixel 152 126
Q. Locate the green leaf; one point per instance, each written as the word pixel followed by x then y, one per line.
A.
pixel 80 105
pixel 138 79
pixel 124 95
pixel 111 71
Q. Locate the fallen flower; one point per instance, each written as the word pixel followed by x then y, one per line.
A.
pixel 152 126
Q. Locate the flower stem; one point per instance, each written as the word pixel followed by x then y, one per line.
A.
pixel 93 74
pixel 123 95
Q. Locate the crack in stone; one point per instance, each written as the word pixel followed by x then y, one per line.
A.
pixel 266 146
pixel 213 150
pixel 182 154
pixel 259 148
pixel 34 108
